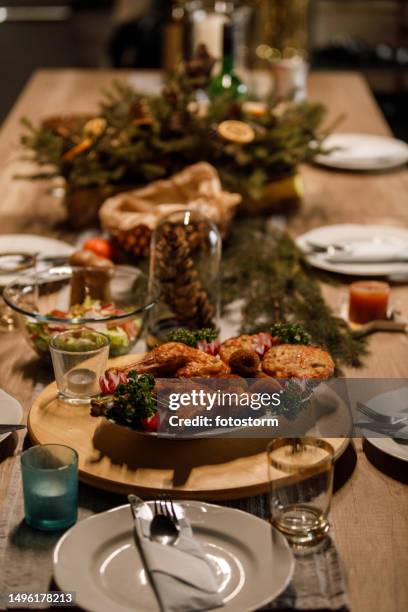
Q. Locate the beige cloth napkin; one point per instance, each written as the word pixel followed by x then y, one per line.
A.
pixel 183 575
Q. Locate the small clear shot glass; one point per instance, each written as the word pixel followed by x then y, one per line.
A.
pixel 50 486
pixel 301 485
pixel 79 358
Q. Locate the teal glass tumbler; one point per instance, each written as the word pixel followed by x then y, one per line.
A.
pixel 50 486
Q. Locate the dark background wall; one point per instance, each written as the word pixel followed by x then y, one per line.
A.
pixel 369 35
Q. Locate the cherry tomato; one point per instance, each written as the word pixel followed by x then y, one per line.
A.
pixel 58 313
pixel 100 246
pixel 151 423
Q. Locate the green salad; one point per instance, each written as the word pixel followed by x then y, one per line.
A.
pixel 122 334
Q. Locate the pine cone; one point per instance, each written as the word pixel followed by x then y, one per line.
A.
pixel 199 69
pixel 136 241
pixel 181 286
pixel 140 112
pixel 176 122
pixel 65 125
pixel 171 93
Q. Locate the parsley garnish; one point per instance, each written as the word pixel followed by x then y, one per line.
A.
pixel 192 337
pixel 290 333
pixel 133 401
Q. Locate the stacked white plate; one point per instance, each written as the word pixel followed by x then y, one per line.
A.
pixel 392 403
pixel 27 243
pixel 11 412
pixel 363 152
pixel 323 245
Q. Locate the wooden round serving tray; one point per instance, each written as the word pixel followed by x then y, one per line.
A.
pixel 118 459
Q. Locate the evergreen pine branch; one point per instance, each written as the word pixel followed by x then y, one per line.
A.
pixel 269 276
pixel 133 152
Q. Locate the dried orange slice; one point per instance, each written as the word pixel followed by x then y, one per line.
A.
pixel 255 109
pixel 81 147
pixel 95 127
pixel 236 131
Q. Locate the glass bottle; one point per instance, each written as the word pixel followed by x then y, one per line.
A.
pixel 184 267
pixel 227 81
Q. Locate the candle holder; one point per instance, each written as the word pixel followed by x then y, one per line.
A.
pixel 184 268
pixel 79 358
pixel 206 20
pixel 50 486
pixel 368 301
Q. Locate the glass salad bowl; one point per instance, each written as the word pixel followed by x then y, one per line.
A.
pixel 114 302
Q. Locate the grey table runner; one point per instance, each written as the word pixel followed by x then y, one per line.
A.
pixel 26 554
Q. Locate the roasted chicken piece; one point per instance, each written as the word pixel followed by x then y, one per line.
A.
pixel 230 346
pixel 243 353
pixel 173 359
pixel 203 368
pixel 245 363
pixel 297 361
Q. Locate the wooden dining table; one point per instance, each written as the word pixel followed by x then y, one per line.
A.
pixel 370 509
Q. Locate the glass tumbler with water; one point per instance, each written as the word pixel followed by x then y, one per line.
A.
pixel 301 483
pixel 79 358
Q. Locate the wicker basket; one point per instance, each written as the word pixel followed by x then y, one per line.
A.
pixel 131 217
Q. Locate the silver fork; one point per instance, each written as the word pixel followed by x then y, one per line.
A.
pixel 382 418
pixel 164 527
pixel 381 427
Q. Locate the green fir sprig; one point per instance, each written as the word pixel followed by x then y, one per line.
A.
pixel 269 275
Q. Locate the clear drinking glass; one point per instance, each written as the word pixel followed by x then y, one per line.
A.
pixel 50 486
pixel 301 481
pixel 12 262
pixel 79 358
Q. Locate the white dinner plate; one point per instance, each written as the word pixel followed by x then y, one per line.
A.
pixel 392 403
pixel 347 233
pixel 363 152
pixel 11 412
pixel 27 243
pixel 98 560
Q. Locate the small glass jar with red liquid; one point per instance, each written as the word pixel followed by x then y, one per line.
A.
pixel 368 301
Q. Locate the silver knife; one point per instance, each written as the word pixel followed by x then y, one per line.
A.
pixel 378 425
pixel 135 505
pixel 371 258
pixel 9 428
pixel 326 248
